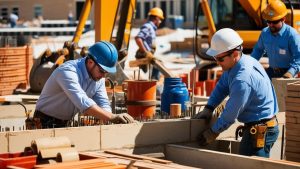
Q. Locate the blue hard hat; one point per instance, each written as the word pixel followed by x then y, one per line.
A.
pixel 105 54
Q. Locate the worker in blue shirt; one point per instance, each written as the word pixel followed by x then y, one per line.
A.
pixel 78 86
pixel 145 39
pixel 252 98
pixel 280 42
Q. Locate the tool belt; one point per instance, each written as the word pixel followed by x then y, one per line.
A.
pixel 257 130
pixel 49 121
pixel 269 122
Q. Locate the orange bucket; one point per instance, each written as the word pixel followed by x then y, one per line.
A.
pixel 141 99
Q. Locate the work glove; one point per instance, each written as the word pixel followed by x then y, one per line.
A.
pixel 204 114
pixel 287 75
pixel 141 55
pixel 207 137
pixel 153 48
pixel 122 118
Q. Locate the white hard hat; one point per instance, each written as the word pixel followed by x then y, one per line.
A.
pixel 224 40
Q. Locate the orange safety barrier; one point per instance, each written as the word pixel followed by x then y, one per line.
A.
pixel 185 78
pixel 199 88
pixel 210 85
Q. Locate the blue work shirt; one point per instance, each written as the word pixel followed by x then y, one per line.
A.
pixel 70 90
pixel 251 94
pixel 147 34
pixel 283 49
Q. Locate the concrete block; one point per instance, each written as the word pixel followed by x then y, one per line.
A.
pixel 197 127
pixel 3 142
pixel 144 134
pixel 280 86
pixel 84 138
pixel 20 139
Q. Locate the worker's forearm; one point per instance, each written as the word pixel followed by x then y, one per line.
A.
pixel 140 44
pixel 98 112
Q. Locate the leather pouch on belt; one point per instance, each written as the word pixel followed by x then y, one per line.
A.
pixel 258 133
pixel 271 123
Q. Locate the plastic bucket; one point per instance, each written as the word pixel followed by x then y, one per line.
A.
pixel 141 99
pixel 174 92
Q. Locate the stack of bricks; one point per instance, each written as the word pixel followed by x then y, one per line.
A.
pixel 292 149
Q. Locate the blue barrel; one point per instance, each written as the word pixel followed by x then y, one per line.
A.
pixel 174 91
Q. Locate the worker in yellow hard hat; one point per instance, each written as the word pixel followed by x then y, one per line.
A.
pixel 145 39
pixel 280 42
pixel 252 99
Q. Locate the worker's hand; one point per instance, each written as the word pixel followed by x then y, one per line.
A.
pixel 153 48
pixel 287 75
pixel 207 137
pixel 148 55
pixel 204 114
pixel 122 118
pixel 140 55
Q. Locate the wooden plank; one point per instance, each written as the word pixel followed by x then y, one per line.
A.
pixel 93 163
pixel 292 126
pixel 293 138
pixel 292 114
pixel 293 132
pixel 292 120
pixel 292 149
pixel 294 86
pixel 293 93
pixel 293 143
pixel 292 99
pixel 292 154
pixel 202 158
pixel 19 98
pixel 293 105
pixel 138 157
pixel 139 62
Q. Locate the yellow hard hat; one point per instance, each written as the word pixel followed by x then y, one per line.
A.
pixel 156 12
pixel 275 10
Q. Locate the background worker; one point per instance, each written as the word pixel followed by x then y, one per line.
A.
pixel 280 42
pixel 79 86
pixel 145 39
pixel 13 19
pixel 252 98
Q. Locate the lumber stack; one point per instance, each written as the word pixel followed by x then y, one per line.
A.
pixel 292 149
pixel 15 65
pixel 115 160
pixel 280 86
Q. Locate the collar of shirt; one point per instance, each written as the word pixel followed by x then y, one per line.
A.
pixel 152 24
pixel 83 68
pixel 282 30
pixel 237 66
